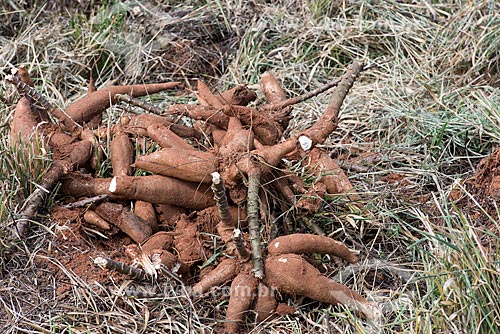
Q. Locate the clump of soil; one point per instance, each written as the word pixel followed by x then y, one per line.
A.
pixel 482 188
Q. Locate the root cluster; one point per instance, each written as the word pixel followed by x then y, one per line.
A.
pixel 204 180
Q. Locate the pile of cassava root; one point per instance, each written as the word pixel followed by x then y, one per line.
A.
pixel 224 175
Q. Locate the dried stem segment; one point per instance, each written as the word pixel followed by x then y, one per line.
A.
pixel 253 220
pixel 242 292
pixel 122 268
pixel 139 103
pixel 309 243
pixel 327 123
pixel 31 205
pixel 283 103
pixel 290 273
pixel 221 199
pixel 239 243
pixel 39 99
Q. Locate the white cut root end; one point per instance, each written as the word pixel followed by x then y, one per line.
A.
pixel 216 178
pixel 112 185
pixel 100 261
pixel 305 143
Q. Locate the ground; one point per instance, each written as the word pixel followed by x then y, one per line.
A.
pixel 417 137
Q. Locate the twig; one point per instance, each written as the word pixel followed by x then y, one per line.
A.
pixel 139 103
pixel 254 174
pixel 328 122
pixel 122 268
pixel 30 92
pixel 85 201
pixel 308 222
pixel 32 203
pixel 240 245
pixel 405 275
pixel 221 199
pixel 297 99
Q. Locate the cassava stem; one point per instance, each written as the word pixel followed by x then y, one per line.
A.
pixel 221 199
pixel 36 199
pixel 327 123
pixel 253 219
pixel 139 103
pixel 122 268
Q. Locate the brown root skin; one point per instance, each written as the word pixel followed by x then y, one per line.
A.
pixel 330 173
pixel 159 189
pixel 146 211
pixel 225 271
pixel 90 217
pixel 206 97
pixel 265 304
pixel 135 227
pixel 24 122
pixel 81 185
pixel 122 154
pixel 290 273
pixel 312 201
pixel 328 122
pixel 169 260
pixel 159 240
pixel 239 95
pixel 97 151
pixel 78 153
pixel 84 109
pixel 236 139
pixel 242 293
pixel 166 138
pixel 266 131
pixel 197 112
pixel 309 243
pixel 188 165
pixel 271 88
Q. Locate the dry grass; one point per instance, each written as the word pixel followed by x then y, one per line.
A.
pixel 426 109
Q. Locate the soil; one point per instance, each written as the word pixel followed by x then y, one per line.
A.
pixel 74 248
pixel 483 188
